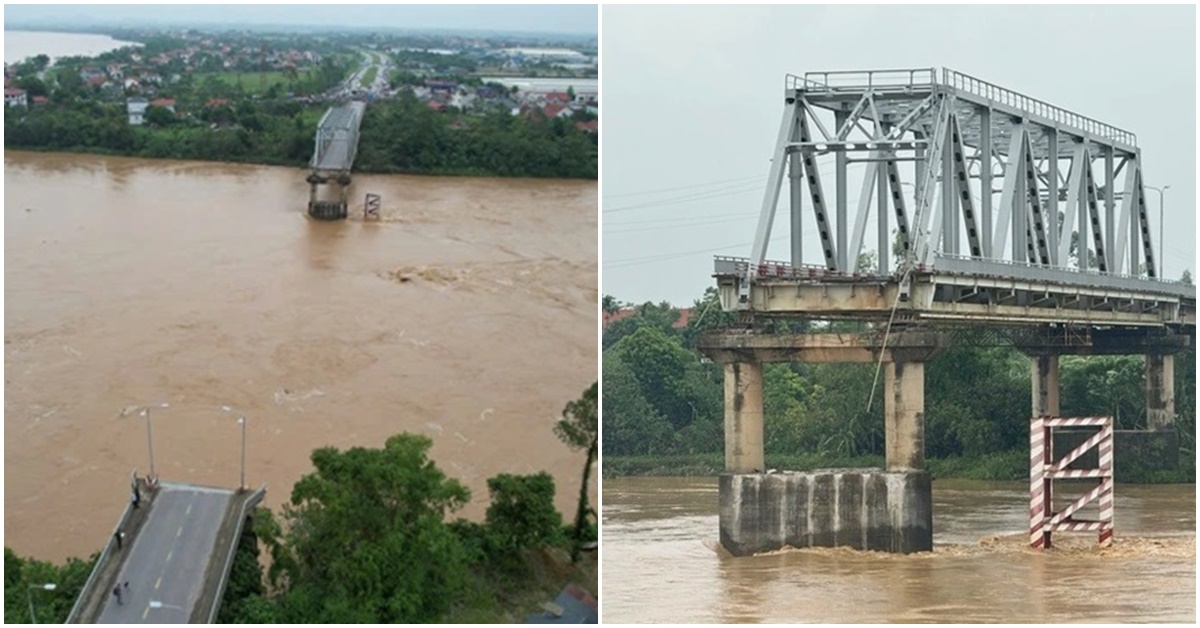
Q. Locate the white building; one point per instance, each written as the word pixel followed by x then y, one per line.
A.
pixel 136 107
pixel 14 97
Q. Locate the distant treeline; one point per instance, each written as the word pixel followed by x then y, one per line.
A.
pixel 397 136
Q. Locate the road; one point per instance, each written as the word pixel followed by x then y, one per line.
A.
pixel 167 561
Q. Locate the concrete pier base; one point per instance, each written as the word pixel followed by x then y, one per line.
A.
pixel 866 509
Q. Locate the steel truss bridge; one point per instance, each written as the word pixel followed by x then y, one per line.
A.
pixel 333 157
pixel 1022 212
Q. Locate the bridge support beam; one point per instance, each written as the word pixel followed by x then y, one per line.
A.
pixel 744 417
pixel 886 510
pixel 1160 391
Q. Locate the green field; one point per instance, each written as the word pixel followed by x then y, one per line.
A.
pixel 252 82
pixel 369 76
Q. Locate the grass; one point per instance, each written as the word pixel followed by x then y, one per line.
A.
pixel 369 77
pixel 252 82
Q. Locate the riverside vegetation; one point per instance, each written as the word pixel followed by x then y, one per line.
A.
pixel 664 407
pixel 221 117
pixel 365 538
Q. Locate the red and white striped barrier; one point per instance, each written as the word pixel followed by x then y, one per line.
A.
pixel 1044 469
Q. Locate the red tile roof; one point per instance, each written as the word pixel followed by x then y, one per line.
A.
pixel 685 315
pixel 552 110
pixel 162 102
pixel 591 126
pixel 13 91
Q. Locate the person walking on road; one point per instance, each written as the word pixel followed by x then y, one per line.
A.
pixel 117 593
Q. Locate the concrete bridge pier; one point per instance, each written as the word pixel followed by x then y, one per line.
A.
pixel 904 414
pixel 875 509
pixel 1160 391
pixel 1138 451
pixel 744 417
pixel 1044 373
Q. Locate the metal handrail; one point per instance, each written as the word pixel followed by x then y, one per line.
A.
pixel 845 79
pixel 1082 271
pixel 991 91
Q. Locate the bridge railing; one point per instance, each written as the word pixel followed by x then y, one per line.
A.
pixel 1008 269
pixel 862 79
pixel 249 502
pixel 993 92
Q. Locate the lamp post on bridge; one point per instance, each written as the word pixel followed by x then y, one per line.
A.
pixel 49 586
pixel 242 422
pixel 145 412
pixel 1162 253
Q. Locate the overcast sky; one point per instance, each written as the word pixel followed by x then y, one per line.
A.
pixel 693 98
pixel 577 19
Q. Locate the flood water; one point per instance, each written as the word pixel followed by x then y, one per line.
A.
pixel 20 45
pixel 662 563
pixel 467 314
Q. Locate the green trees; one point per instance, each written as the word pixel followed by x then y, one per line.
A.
pixel 365 540
pixel 579 430
pixel 51 606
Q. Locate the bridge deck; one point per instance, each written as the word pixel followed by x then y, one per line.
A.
pixel 337 138
pixel 167 562
pixel 985 291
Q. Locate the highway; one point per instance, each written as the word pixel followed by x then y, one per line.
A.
pixel 165 566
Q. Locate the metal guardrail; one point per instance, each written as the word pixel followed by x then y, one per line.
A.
pixel 859 79
pixel 924 78
pixel 991 91
pixel 1006 269
pixel 250 501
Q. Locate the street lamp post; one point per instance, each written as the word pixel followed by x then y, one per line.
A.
pixel 241 422
pixel 49 586
pixel 150 434
pixel 1162 253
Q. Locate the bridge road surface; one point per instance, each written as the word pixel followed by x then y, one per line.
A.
pixel 168 559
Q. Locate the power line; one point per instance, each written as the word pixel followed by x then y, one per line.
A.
pixel 719 192
pixel 682 187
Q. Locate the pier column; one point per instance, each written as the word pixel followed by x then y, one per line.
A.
pixel 904 415
pixel 744 417
pixel 1160 391
pixel 1044 370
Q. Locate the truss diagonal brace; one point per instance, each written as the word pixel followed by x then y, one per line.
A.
pixel 1035 204
pixel 1075 179
pixel 828 248
pixel 1008 192
pixel 855 114
pixel 1144 224
pixel 766 216
pixel 1094 215
pixel 963 188
pixel 907 121
pixel 893 177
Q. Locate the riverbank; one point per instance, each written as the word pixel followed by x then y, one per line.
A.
pixel 1000 466
pixel 397 137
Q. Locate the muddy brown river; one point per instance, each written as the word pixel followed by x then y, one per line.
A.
pixel 662 563
pixel 467 314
